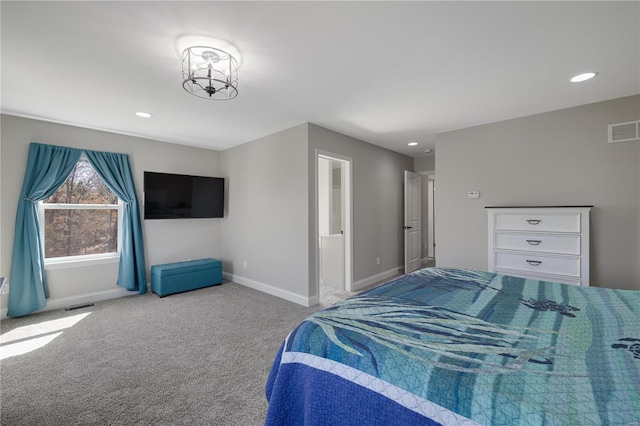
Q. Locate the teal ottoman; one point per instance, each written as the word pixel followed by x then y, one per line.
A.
pixel 172 278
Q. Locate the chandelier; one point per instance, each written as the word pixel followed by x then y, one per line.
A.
pixel 209 73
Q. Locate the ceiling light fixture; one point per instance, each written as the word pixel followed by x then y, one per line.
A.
pixel 143 114
pixel 413 143
pixel 583 77
pixel 209 73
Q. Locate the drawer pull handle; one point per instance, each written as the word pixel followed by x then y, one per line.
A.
pixel 534 221
pixel 534 262
pixel 534 242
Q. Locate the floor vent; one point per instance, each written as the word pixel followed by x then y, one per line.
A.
pixel 624 132
pixel 73 308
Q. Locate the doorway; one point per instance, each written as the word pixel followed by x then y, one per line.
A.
pixel 431 220
pixel 333 189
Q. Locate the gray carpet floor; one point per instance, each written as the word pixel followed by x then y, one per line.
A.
pixel 197 358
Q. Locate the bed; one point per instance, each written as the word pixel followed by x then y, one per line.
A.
pixel 462 347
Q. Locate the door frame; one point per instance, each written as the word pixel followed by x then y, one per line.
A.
pixel 429 222
pixel 431 215
pixel 347 213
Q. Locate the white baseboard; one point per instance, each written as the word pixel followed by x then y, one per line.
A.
pixel 314 300
pixel 53 304
pixel 358 285
pixel 274 291
pixel 301 300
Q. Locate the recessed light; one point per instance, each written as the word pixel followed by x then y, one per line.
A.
pixel 413 143
pixel 143 114
pixel 583 77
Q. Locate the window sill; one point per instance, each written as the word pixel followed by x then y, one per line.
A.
pixel 78 263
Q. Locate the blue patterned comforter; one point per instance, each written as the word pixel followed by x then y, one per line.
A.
pixel 450 346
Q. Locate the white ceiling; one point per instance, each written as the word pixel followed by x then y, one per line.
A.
pixel 384 72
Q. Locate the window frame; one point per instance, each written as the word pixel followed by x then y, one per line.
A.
pixel 84 259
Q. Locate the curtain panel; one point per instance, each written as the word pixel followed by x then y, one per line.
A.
pixel 115 171
pixel 48 166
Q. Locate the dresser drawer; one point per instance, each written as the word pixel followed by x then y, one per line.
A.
pixel 538 221
pixel 548 243
pixel 538 263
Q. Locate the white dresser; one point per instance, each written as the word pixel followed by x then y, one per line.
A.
pixel 541 243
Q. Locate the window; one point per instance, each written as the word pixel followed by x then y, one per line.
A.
pixel 82 219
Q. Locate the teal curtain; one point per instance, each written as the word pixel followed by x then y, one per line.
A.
pixel 115 171
pixel 47 168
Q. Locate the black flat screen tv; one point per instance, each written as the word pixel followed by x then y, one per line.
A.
pixel 172 196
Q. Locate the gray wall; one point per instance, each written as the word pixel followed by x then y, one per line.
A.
pixel 556 158
pixel 271 217
pixel 165 240
pixel 378 211
pixel 267 222
pixel 270 206
pixel 426 163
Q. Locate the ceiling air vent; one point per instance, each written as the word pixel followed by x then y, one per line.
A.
pixel 623 132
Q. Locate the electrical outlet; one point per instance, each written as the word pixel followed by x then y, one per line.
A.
pixel 473 194
pixel 377 261
pixel 244 264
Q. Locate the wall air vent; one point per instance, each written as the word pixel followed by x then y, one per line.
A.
pixel 624 132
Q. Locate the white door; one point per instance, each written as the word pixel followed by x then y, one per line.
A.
pixel 412 222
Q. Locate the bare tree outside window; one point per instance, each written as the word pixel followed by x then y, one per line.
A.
pixel 81 217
